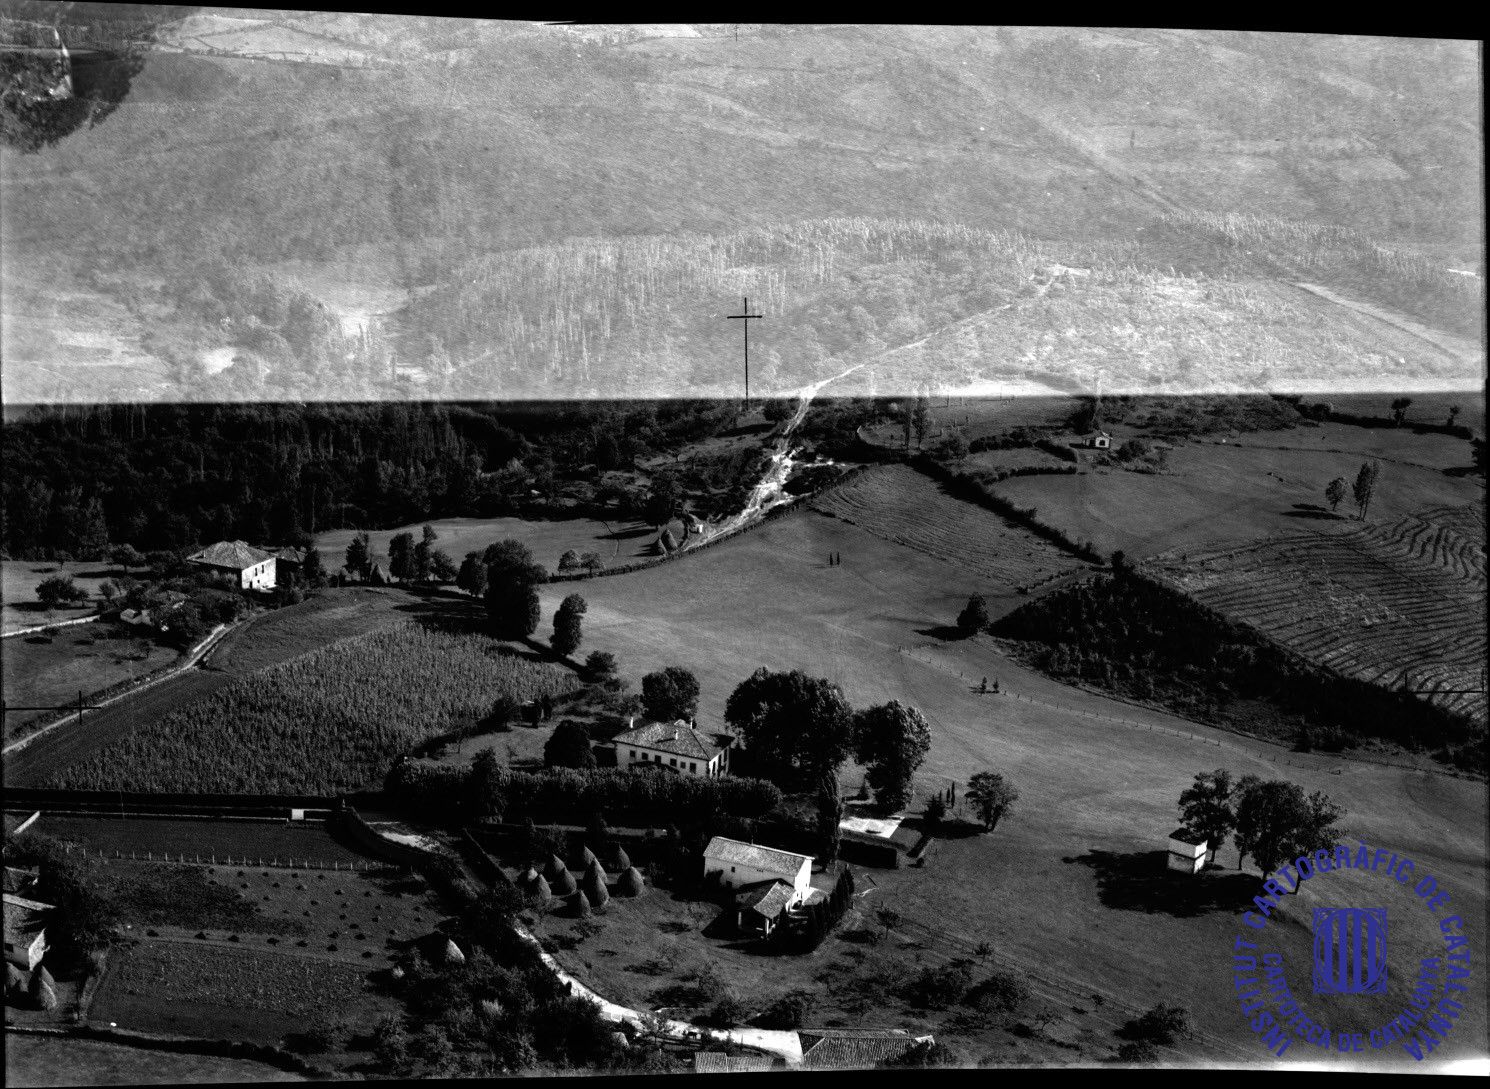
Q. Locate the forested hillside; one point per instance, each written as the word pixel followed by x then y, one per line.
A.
pixel 501 209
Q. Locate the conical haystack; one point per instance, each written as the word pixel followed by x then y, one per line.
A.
pixel 596 868
pixel 553 867
pixel 593 888
pixel 42 974
pixel 15 979
pixel 586 856
pixel 540 892
pixel 564 884
pixel 42 992
pixel 452 954
pixel 631 882
pixel 621 859
pixel 581 907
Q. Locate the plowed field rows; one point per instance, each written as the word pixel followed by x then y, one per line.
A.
pixel 908 508
pixel 1401 606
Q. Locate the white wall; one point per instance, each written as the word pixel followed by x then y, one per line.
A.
pixel 735 875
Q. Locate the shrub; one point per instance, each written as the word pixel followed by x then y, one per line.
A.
pixel 787 1012
pixel 939 987
pixel 1000 993
pixel 1160 1025
pixel 726 1013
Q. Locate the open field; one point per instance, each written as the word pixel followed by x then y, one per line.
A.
pixel 307 840
pixel 333 719
pixel 1094 789
pixel 87 658
pixel 1401 606
pixel 1217 495
pixel 20 578
pixel 908 508
pixel 978 416
pixel 617 542
pixel 265 640
pixel 40 1062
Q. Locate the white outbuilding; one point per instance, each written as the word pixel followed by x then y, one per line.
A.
pixel 1187 851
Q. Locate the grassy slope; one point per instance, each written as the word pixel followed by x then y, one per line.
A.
pixel 847 623
pixel 38 1061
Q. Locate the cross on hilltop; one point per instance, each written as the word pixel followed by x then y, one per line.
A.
pixel 745 316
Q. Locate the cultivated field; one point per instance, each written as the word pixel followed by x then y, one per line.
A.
pixel 1070 889
pixel 908 508
pixel 334 719
pixel 1400 605
pixel 265 640
pixel 40 1062
pixel 309 842
pixel 1222 495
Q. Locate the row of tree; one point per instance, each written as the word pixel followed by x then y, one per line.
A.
pixel 1362 490
pixel 1272 821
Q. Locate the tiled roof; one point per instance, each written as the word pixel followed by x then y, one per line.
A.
pixel 769 859
pixel 18 880
pixel 851 1049
pixel 717 1062
pixel 22 916
pixel 677 738
pixel 232 554
pixel 767 899
pixel 289 555
pixel 1184 835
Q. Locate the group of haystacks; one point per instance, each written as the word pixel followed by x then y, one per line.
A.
pixel 555 882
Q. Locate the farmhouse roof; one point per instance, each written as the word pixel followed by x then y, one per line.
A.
pixel 678 738
pixel 290 555
pixel 230 554
pixel 717 1062
pixel 767 899
pixel 852 1049
pixel 769 859
pixel 19 881
pixel 1184 835
pixel 22 916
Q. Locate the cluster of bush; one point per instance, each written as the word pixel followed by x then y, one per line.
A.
pixel 1015 439
pixel 1138 637
pixel 643 798
pixel 973 486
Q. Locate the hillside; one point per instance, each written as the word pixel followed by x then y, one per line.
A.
pixel 378 161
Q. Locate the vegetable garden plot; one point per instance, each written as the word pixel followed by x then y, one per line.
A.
pixel 905 507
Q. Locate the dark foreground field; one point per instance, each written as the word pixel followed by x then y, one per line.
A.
pixel 41 1062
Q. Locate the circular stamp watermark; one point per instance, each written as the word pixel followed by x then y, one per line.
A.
pixel 1374 960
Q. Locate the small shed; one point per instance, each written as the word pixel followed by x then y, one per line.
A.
pixel 1099 440
pixel 760 907
pixel 1187 851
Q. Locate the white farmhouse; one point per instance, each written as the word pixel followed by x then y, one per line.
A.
pixel 253 568
pixel 678 745
pixel 767 882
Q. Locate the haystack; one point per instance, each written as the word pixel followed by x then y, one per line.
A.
pixel 594 886
pixel 540 892
pixel 586 856
pixel 631 883
pixel 594 867
pixel 42 991
pixel 15 980
pixel 621 859
pixel 581 906
pixel 563 884
pixel 452 954
pixel 553 867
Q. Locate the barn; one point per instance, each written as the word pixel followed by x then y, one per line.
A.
pixel 767 883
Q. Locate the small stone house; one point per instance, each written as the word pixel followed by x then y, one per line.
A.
pixel 252 568
pixel 1187 851
pixel 1099 440
pixel 678 745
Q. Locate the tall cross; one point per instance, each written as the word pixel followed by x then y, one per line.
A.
pixel 745 317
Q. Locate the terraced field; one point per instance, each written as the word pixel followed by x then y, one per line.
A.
pixel 1401 605
pixel 903 506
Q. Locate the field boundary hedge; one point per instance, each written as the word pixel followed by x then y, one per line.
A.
pixel 969 487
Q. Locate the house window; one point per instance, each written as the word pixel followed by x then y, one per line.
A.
pixel 657 757
pixel 692 766
pixel 633 754
pixel 672 762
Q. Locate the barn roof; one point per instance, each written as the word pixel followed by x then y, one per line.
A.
pixel 678 738
pixel 852 1049
pixel 769 859
pixel 18 880
pixel 717 1062
pixel 231 554
pixel 22 916
pixel 768 899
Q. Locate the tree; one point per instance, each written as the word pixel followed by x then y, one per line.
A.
pixel 592 562
pixel 891 740
pixel 670 694
pixel 504 711
pixel 1208 808
pixel 566 637
pixel 568 747
pixel 1399 410
pixel 1453 415
pixel 600 665
pixel 829 818
pixel 787 1012
pixel 992 797
pixel 662 500
pixel 472 575
pixel 313 568
pixel 127 556
pixel 441 567
pixel 798 729
pixel 974 615
pixel 1335 491
pixel 920 417
pixel 60 589
pixel 936 812
pixel 569 560
pixel 512 578
pixel 359 555
pixel 1276 822
pixel 424 554
pixel 1365 486
pixel 401 556
pixel 1160 1025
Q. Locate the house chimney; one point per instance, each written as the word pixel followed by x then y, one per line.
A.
pixel 631 722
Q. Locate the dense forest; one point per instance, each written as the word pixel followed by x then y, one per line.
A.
pixel 169 477
pixel 1127 634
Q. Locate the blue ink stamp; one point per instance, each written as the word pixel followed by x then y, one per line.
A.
pixel 1350 950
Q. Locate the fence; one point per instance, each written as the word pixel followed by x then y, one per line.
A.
pixel 211 859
